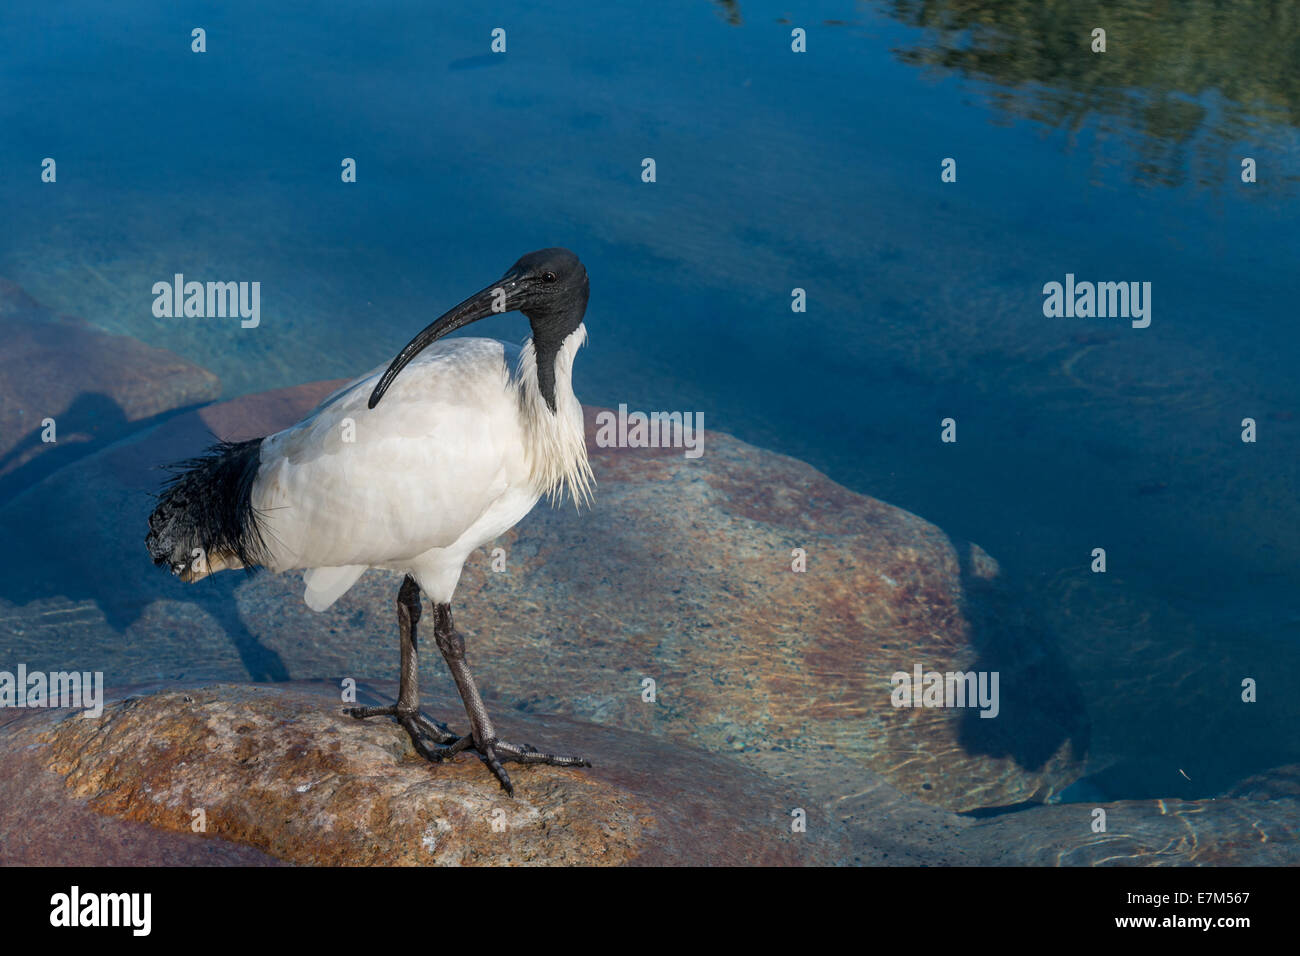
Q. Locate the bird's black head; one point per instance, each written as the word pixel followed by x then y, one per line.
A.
pixel 548 286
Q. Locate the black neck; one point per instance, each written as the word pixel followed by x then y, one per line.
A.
pixel 550 329
pixel 546 350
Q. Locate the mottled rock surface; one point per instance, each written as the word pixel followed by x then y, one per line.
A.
pixel 282 776
pixel 116 383
pixel 43 823
pixel 284 771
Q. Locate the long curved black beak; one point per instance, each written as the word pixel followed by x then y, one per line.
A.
pixel 491 301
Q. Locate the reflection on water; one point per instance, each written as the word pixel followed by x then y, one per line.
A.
pixel 1183 82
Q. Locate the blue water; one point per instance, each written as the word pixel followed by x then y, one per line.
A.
pixel 774 171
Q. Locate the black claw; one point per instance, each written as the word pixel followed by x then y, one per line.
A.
pixel 488 755
pixel 414 723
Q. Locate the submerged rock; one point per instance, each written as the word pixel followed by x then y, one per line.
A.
pixel 671 609
pixel 97 387
pixel 1222 832
pixel 285 772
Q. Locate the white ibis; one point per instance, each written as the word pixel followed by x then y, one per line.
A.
pixel 410 470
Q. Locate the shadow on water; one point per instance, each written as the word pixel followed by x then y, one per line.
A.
pixel 1041 707
pixel 79 535
pixel 95 414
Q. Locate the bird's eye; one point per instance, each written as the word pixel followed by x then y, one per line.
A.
pixel 548 276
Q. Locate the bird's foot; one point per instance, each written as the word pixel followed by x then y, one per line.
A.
pixel 495 752
pixel 416 724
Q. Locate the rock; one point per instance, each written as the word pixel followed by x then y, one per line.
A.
pixel 42 823
pixel 282 776
pixel 681 574
pixel 284 771
pixel 96 386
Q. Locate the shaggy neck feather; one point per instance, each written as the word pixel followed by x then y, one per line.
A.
pixel 556 438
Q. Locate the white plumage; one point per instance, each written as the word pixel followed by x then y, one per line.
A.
pixel 459 450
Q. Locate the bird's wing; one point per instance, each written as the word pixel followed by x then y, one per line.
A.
pixel 351 486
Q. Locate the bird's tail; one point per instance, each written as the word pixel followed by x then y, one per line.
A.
pixel 205 520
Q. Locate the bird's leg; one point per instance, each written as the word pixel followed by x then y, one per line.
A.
pixel 482 737
pixel 407 708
